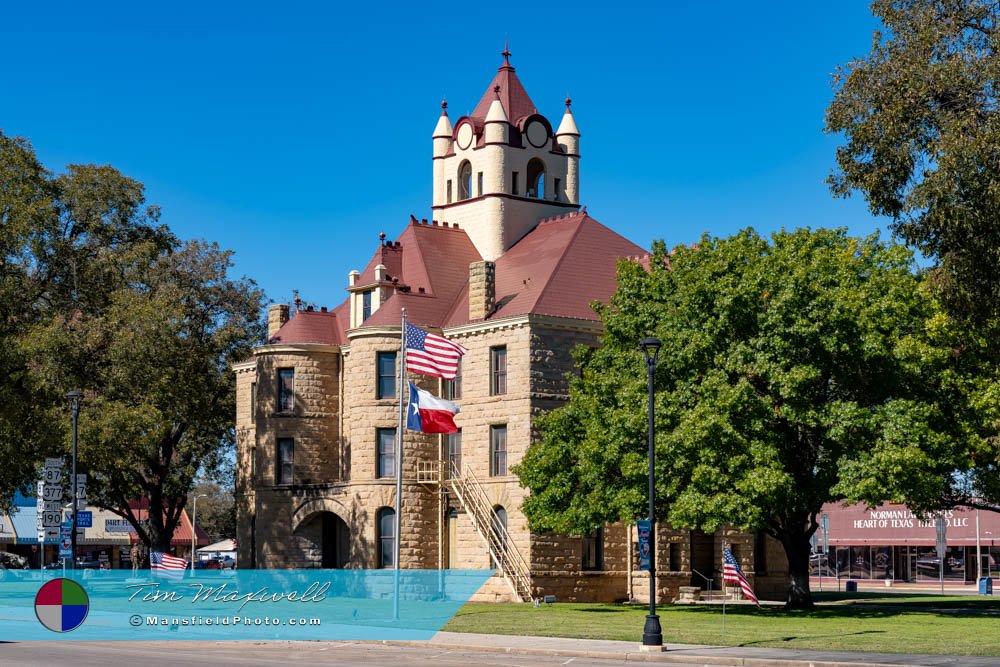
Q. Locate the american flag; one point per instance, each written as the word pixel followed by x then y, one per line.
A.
pixel 732 574
pixel 431 354
pixel 166 565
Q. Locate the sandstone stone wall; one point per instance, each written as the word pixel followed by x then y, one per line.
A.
pixel 314 422
pixel 246 443
pixel 334 423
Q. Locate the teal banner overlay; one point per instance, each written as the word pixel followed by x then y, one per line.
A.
pixel 232 604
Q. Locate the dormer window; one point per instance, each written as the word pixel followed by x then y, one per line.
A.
pixel 464 181
pixel 536 178
pixel 366 305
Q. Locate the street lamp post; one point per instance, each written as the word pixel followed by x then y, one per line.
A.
pixel 652 633
pixel 194 523
pixel 74 397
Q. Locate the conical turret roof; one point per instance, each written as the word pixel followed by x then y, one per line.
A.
pixel 512 95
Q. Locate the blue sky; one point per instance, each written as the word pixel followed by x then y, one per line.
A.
pixel 293 133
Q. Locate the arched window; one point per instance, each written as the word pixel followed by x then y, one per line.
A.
pixel 386 537
pixel 499 527
pixel 464 180
pixel 536 178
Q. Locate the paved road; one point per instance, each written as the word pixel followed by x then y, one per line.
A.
pixel 249 654
pixel 447 649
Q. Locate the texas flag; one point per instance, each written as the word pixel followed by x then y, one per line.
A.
pixel 429 414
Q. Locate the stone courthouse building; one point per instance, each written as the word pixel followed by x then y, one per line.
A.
pixel 507 267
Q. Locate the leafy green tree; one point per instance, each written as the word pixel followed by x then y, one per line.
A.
pixel 783 363
pixel 921 125
pixel 65 242
pixel 216 511
pixel 154 365
pixel 96 294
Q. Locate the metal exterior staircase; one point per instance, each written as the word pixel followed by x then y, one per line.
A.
pixel 509 562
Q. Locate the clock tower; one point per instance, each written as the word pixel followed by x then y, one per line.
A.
pixel 502 169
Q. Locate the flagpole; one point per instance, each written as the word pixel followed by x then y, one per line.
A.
pixel 724 545
pixel 399 468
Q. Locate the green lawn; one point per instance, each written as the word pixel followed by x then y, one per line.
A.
pixel 864 622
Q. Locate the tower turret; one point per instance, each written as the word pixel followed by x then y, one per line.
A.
pixel 443 143
pixel 568 138
pixel 503 169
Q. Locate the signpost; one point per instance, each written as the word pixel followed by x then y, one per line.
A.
pixel 85 520
pixel 941 525
pixel 49 505
pixel 824 521
pixel 81 504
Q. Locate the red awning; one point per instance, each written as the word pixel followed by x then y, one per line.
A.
pixel 182 534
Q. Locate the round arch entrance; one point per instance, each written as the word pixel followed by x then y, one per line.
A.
pixel 330 539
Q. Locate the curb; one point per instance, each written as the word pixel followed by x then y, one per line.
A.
pixel 667 657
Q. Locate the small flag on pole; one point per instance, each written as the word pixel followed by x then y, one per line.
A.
pixel 732 574
pixel 429 414
pixel 163 564
pixel 430 354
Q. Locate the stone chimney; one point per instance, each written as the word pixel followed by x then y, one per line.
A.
pixel 277 315
pixel 482 289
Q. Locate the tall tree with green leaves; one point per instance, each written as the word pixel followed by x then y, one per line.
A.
pixel 65 243
pixel 783 363
pixel 96 294
pixel 154 365
pixel 921 128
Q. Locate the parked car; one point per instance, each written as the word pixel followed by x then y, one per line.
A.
pixel 207 564
pixel 228 562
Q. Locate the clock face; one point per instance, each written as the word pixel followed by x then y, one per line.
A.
pixel 537 134
pixel 465 136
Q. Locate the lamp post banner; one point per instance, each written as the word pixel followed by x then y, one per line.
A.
pixel 231 604
pixel 644 528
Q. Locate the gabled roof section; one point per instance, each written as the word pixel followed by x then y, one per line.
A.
pixel 388 255
pixel 310 327
pixel 434 258
pixel 513 96
pixel 559 268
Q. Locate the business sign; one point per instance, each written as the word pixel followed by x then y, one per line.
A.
pixel 84 519
pixel 644 528
pixel 118 526
pixel 66 540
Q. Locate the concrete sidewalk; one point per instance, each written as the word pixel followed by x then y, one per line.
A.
pixel 686 654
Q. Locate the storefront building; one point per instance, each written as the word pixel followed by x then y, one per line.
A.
pixel 889 542
pixel 106 543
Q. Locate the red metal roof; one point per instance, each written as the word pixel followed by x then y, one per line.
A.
pixel 436 258
pixel 313 327
pixel 559 269
pixel 182 533
pixel 513 96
